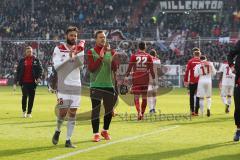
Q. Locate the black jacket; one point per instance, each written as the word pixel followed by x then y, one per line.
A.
pixel 235 55
pixel 37 69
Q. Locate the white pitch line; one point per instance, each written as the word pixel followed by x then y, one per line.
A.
pixel 111 143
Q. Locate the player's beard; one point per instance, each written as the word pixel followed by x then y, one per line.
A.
pixel 71 42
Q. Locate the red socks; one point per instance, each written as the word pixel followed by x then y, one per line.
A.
pixel 136 102
pixel 144 105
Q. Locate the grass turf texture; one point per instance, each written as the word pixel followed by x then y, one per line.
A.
pixel 199 138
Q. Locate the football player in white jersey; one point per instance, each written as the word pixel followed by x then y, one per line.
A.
pixel 226 84
pixel 205 70
pixel 153 83
pixel 67 59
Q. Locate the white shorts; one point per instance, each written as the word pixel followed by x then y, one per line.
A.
pixel 68 101
pixel 227 90
pixel 152 88
pixel 204 90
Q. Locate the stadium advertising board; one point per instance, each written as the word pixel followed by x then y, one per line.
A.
pixel 3 82
pixel 171 69
pixel 186 5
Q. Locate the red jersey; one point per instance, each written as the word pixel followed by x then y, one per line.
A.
pixel 190 70
pixel 142 65
pixel 27 74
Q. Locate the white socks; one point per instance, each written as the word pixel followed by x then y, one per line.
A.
pixel 154 102
pixel 59 123
pixel 151 102
pixel 70 127
pixel 195 97
pixel 229 101
pixel 224 99
pixel 201 104
pixel 209 103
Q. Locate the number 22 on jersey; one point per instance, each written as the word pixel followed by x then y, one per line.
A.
pixel 141 61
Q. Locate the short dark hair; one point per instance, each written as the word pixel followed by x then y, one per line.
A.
pixel 142 45
pixel 28 47
pixel 153 52
pixel 71 28
pixel 97 33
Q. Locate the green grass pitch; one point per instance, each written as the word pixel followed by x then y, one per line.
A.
pixel 200 138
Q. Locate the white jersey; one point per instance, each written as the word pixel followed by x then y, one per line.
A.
pixel 60 57
pixel 205 70
pixel 156 67
pixel 228 78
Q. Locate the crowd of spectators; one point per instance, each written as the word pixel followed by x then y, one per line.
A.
pixel 24 19
pixel 11 52
pixel 42 19
pixel 37 20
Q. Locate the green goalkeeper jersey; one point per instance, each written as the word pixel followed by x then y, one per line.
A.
pixel 103 76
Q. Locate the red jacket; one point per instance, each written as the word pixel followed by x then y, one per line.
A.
pixel 190 70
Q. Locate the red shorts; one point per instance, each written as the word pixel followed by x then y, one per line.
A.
pixel 139 89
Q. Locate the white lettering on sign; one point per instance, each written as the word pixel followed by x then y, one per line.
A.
pixel 181 5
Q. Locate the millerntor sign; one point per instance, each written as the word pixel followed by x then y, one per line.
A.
pixel 186 5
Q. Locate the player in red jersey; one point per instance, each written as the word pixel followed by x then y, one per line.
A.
pixel 192 82
pixel 142 66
